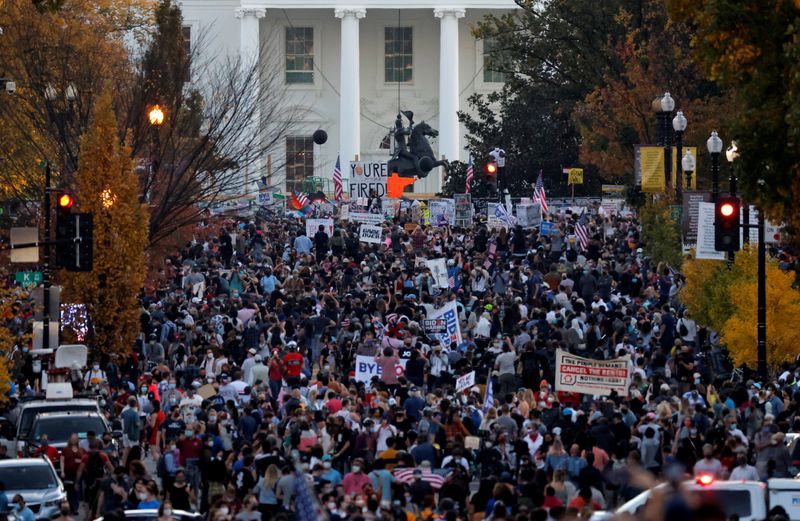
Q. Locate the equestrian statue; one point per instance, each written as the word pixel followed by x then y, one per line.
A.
pixel 414 159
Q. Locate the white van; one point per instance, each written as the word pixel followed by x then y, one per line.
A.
pixel 748 500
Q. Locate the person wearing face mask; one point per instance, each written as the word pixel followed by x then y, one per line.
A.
pixel 94 377
pixel 329 473
pixel 743 471
pixel 355 480
pixel 146 495
pixel 165 512
pixel 20 510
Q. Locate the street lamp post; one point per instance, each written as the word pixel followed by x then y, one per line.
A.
pixel 714 145
pixel 667 106
pixel 731 154
pixel 679 126
pixel 156 118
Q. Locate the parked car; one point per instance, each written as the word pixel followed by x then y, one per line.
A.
pixel 151 514
pixel 37 482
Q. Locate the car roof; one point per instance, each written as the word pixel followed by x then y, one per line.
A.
pixel 65 414
pixel 24 462
pixel 65 401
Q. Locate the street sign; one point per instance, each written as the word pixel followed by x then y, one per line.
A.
pixel 29 279
pixel 26 235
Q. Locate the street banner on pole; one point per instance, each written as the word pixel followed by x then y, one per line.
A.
pixel 588 376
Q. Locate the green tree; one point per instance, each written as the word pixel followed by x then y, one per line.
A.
pixel 108 188
pixel 660 233
pixel 754 47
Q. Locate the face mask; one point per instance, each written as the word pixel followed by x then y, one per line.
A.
pixel 224 511
pixel 331 506
pixel 326 465
pixel 189 433
pixel 143 389
pixel 212 419
pixel 142 496
pixel 96 366
pixel 167 511
pixel 356 469
pixel 173 401
pixel 172 386
pixel 488 444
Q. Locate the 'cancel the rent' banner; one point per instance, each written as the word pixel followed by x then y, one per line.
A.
pixel 584 375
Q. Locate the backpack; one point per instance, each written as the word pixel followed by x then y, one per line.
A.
pixel 95 468
pixel 682 329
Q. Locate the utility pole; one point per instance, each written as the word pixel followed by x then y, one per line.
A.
pixel 46 257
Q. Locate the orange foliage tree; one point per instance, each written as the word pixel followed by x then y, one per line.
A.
pixel 108 188
pixel 655 57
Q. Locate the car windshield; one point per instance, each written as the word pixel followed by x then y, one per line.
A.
pixel 29 413
pixel 33 477
pixel 59 429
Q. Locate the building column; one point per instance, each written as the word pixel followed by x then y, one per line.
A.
pixel 349 86
pixel 249 40
pixel 449 134
pixel 249 51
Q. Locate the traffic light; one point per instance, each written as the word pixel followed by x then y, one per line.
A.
pixel 74 235
pixel 726 224
pixel 490 169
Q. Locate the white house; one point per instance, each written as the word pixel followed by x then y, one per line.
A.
pixel 347 66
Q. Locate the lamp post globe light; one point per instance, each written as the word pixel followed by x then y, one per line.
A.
pixel 156 116
pixel 714 145
pixel 688 165
pixel 667 106
pixel 679 126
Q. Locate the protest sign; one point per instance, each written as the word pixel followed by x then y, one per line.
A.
pixel 442 212
pixel 367 177
pixel 529 215
pixel 463 205
pixel 435 326
pixel 546 228
pixel 371 234
pixel 366 368
pixel 588 376
pixel 450 314
pixel 439 271
pixel 465 381
pixel 312 227
pixel 366 218
pixel 492 222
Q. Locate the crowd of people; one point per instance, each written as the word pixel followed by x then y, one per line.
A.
pixel 242 398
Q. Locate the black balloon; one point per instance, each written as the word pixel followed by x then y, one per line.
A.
pixel 320 137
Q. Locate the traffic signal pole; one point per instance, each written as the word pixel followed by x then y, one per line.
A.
pixel 761 328
pixel 46 259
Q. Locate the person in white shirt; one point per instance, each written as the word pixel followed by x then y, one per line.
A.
pixel 190 402
pixel 483 329
pixel 743 471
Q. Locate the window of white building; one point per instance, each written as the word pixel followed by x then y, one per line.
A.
pixel 492 61
pixel 398 54
pixel 299 160
pixel 299 55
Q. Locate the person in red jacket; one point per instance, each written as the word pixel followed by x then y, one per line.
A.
pixel 47 449
pixel 293 363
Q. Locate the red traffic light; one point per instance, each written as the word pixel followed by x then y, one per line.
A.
pixel 66 201
pixel 727 209
pixel 491 168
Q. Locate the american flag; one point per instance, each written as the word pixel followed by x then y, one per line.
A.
pixel 338 192
pixel 300 199
pixel 470 175
pixel 581 231
pixel 538 193
pixel 488 401
pixel 306 507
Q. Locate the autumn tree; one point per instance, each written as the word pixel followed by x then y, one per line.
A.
pixel 655 56
pixel 724 297
pixel 108 188
pixel 754 47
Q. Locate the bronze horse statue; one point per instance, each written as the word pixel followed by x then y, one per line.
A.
pixel 418 159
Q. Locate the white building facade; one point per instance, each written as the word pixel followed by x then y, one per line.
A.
pixel 348 67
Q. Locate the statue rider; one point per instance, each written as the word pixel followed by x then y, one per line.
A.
pixel 400 133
